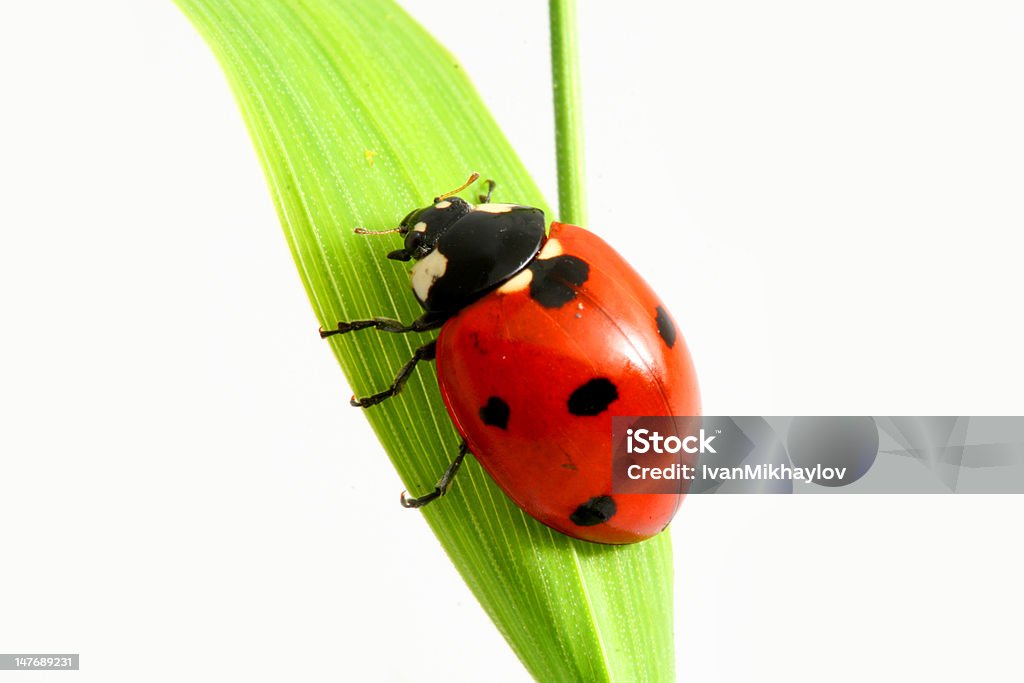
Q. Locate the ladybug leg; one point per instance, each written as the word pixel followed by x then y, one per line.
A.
pixel 443 484
pixel 486 198
pixel 426 352
pixel 421 324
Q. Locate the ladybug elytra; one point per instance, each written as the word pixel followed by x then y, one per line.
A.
pixel 543 338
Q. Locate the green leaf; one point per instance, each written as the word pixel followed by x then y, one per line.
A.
pixel 358 116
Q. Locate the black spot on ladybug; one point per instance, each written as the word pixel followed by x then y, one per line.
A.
pixel 555 279
pixel 595 511
pixel 593 398
pixel 495 413
pixel 666 328
pixel 478 345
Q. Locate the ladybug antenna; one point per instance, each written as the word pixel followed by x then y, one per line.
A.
pixel 472 179
pixel 364 231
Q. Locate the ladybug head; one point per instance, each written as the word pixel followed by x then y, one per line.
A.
pixel 423 227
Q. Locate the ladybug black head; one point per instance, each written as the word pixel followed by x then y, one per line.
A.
pixel 423 227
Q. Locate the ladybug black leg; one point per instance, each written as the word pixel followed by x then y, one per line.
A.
pixel 421 324
pixel 425 352
pixel 486 198
pixel 443 484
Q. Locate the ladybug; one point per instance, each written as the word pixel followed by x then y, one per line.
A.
pixel 544 336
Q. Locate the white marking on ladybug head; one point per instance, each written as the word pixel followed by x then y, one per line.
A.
pixel 426 272
pixel 551 249
pixel 420 227
pixel 518 283
pixel 442 204
pixel 494 208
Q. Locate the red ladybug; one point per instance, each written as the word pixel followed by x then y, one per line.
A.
pixel 543 339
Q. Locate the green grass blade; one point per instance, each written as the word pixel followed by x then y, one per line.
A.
pixel 565 80
pixel 359 115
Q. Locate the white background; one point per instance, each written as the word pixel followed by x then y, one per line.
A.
pixel 828 195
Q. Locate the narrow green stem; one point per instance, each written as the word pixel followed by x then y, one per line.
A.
pixel 565 77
